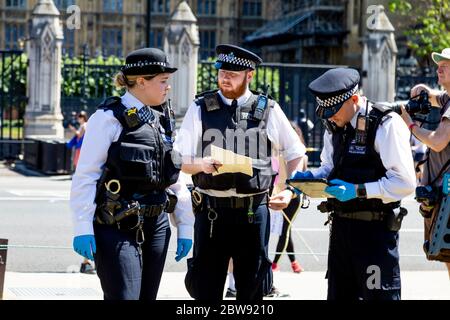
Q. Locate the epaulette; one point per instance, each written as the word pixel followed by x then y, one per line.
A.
pixel 383 108
pixel 115 105
pixel 109 102
pixel 383 111
pixel 258 93
pixel 210 99
pixel 199 95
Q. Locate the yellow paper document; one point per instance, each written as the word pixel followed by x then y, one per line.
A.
pixel 231 162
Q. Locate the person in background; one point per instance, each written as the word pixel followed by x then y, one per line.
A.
pixel 76 142
pixel 437 166
pixel 419 150
pixel 285 242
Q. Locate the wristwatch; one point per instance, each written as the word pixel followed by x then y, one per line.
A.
pixel 361 191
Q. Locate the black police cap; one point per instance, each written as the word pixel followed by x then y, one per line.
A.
pixel 332 89
pixel 234 58
pixel 147 61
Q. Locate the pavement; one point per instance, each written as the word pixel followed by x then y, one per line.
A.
pixel 308 285
pixel 416 285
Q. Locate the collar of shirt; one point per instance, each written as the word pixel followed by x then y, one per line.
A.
pixel 130 101
pixel 241 100
pixel 362 110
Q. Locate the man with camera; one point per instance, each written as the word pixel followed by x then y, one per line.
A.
pixel 438 142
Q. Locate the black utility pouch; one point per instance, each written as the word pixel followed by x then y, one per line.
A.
pixel 197 201
pixel 105 211
pixel 172 200
pixel 394 219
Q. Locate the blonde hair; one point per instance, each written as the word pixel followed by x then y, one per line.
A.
pixel 122 81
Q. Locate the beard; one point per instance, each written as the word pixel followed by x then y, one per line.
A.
pixel 231 93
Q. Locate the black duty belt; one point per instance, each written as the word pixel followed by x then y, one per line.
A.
pixel 361 215
pixel 236 202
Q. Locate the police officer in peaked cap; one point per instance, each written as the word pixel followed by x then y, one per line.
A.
pixel 127 180
pixel 368 163
pixel 232 208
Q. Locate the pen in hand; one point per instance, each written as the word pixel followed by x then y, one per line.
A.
pixel 210 165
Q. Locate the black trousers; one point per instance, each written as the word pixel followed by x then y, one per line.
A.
pixel 290 212
pixel 233 236
pixel 123 273
pixel 363 261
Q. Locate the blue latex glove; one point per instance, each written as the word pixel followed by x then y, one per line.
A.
pixel 302 175
pixel 85 246
pixel 183 248
pixel 343 191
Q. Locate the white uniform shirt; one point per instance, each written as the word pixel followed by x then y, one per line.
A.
pixel 102 130
pixel 392 144
pixel 279 131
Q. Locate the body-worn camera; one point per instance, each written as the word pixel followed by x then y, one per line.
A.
pixel 419 104
pixel 261 104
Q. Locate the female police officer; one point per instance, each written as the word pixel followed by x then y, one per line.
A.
pixel 120 189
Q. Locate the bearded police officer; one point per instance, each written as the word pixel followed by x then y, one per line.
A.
pixel 127 178
pixel 231 209
pixel 368 163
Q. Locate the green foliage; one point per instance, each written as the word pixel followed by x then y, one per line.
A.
pixel 94 78
pixel 12 129
pixel 13 72
pixel 431 29
pixel 13 78
pixel 207 78
pixel 267 76
pixel 206 75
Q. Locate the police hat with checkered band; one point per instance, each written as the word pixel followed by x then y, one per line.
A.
pixel 332 89
pixel 235 58
pixel 146 61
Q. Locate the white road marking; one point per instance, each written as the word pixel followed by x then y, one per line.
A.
pixel 33 199
pixel 39 193
pixel 410 230
pixel 306 244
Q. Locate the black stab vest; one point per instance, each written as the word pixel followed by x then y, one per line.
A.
pixel 240 133
pixel 142 159
pixel 359 164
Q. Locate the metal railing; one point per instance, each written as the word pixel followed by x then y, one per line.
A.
pixel 13 75
pixel 86 84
